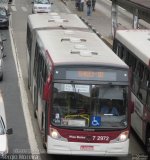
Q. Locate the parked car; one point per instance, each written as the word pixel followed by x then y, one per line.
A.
pixel 3 130
pixel 41 6
pixel 4 3
pixel 2 44
pixel 4 17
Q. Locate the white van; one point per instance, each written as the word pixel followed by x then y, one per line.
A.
pixel 41 6
pixel 3 129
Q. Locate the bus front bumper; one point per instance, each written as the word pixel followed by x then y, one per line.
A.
pixel 92 149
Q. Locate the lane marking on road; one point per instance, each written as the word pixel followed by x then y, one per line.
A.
pixel 24 9
pixel 103 9
pixel 24 100
pixel 13 8
pixel 66 8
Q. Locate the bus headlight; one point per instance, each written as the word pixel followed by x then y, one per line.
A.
pixel 55 135
pixel 121 138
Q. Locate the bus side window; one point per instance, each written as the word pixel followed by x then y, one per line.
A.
pixel 29 39
pixel 136 78
pixel 126 57
pixel 148 98
pixel 141 71
pixel 144 86
pixel 36 62
pixel 120 50
pixel 132 61
pixel 148 89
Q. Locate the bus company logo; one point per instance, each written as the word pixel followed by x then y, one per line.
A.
pixel 76 137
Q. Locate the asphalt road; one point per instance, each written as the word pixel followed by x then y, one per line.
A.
pixel 12 100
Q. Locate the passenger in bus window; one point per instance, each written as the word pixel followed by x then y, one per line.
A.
pixel 108 108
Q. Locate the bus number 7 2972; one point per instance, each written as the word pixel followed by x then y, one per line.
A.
pixel 72 75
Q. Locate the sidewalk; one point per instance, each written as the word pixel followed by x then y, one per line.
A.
pixel 98 20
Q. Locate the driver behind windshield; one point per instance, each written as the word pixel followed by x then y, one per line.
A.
pixel 109 108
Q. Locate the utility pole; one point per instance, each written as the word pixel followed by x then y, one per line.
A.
pixel 135 19
pixel 114 15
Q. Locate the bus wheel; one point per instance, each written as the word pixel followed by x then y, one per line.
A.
pixel 148 142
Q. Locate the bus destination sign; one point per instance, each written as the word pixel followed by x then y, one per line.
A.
pixel 91 75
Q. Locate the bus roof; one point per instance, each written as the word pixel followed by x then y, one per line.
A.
pixel 137 41
pixel 77 47
pixel 56 20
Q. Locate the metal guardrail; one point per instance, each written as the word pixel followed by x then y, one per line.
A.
pixel 141 6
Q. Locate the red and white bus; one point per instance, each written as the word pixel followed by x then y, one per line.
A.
pixel 133 47
pixel 74 74
pixel 47 21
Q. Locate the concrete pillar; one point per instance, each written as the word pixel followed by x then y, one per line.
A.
pixel 114 15
pixel 135 19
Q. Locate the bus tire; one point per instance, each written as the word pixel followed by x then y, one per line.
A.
pixel 147 145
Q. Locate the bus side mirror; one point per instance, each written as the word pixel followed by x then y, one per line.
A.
pixel 131 106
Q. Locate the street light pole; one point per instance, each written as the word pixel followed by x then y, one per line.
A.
pixel 114 14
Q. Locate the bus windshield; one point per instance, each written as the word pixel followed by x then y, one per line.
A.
pixel 85 106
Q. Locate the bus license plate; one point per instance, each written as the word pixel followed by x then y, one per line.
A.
pixel 87 148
